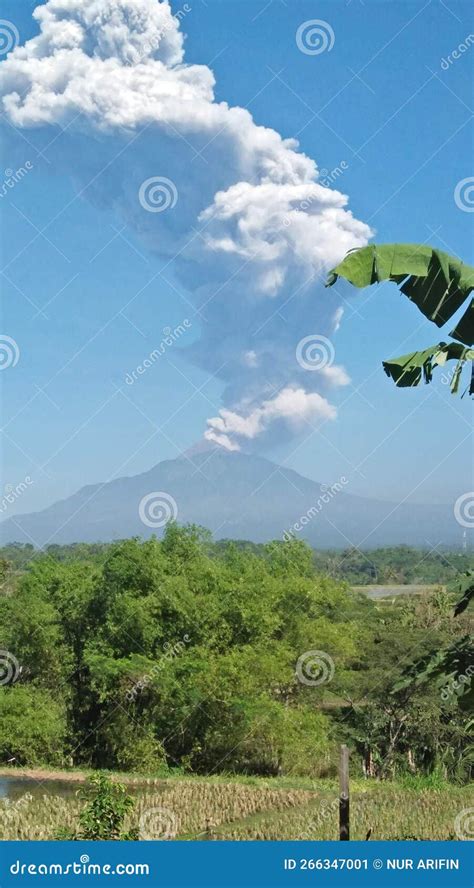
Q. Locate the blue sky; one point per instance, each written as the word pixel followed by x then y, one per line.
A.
pixel 381 105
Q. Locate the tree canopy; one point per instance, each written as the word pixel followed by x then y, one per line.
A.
pixel 180 654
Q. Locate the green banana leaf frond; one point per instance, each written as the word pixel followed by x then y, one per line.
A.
pixel 452 668
pixel 411 369
pixel 435 281
pixel 465 588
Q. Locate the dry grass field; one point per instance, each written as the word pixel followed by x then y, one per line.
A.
pixel 234 810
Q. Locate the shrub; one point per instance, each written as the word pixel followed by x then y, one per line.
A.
pixel 103 817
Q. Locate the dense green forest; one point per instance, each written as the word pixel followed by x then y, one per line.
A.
pixel 394 564
pixel 213 658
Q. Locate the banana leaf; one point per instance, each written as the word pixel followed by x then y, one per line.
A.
pixel 451 668
pixel 463 329
pixel 410 369
pixel 436 282
pixel 465 588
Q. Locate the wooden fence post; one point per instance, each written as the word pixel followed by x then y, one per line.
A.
pixel 344 795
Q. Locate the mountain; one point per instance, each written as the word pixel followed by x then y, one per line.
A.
pixel 236 496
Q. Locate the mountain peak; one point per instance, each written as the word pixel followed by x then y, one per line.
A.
pixel 235 495
pixel 201 446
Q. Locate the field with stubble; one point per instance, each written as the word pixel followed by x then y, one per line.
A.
pixel 265 810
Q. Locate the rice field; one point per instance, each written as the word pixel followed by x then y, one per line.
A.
pixel 196 809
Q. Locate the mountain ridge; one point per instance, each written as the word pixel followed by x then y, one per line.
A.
pixel 237 496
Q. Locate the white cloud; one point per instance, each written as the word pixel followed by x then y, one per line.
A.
pixel 338 315
pixel 263 223
pixel 293 406
pixel 113 71
pixel 250 358
pixel 335 375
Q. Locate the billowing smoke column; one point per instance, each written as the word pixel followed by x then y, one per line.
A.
pixel 250 231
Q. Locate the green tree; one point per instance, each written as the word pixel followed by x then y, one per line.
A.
pixel 399 718
pixel 33 727
pixel 181 653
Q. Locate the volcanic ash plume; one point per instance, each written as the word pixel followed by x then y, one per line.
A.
pixel 237 208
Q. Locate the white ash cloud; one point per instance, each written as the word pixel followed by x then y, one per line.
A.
pixel 292 405
pixel 252 233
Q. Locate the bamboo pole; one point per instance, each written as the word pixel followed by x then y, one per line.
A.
pixel 344 795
